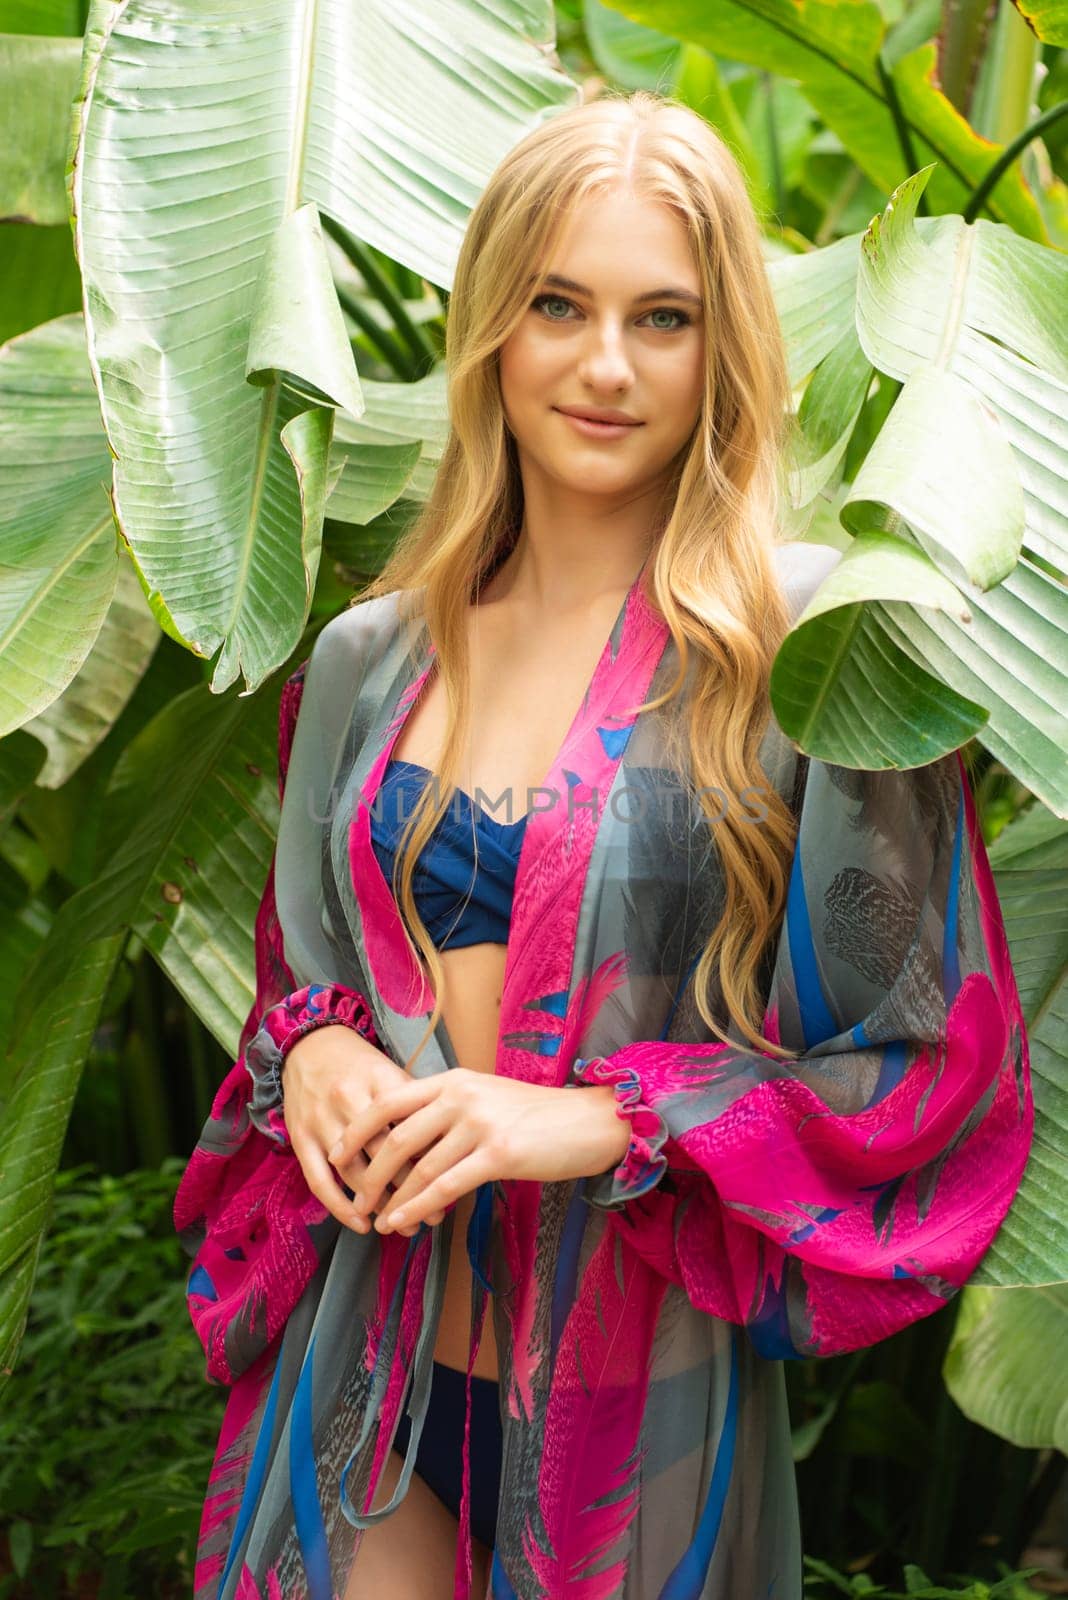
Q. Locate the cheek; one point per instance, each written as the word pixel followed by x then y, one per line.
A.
pixel 514 381
pixel 518 364
pixel 684 394
pixel 506 363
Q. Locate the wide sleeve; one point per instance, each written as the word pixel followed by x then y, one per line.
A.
pixel 826 1202
pixel 243 1209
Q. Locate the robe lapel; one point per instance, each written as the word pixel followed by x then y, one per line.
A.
pixel 395 970
pixel 540 1014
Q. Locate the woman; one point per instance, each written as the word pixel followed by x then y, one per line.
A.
pixel 683 1053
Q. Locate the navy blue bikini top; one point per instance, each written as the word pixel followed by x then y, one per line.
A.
pixel 461 901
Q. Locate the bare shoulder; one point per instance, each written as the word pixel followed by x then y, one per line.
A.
pixel 802 568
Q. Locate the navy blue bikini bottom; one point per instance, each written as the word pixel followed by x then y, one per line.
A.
pixel 439 1460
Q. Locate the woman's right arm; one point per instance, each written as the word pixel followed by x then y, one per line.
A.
pixel 244 1210
pixel 329 1076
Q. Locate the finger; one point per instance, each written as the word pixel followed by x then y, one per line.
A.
pixel 413 1227
pixel 451 1148
pixel 323 1184
pixel 353 1171
pixel 463 1177
pixel 372 1150
pixel 405 1142
pixel 348 1215
pixel 407 1230
pixel 352 1174
pixel 378 1114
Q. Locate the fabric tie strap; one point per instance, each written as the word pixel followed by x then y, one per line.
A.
pixel 479 1229
pixel 422 1371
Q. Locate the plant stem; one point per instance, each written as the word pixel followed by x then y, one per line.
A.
pixel 415 337
pixel 767 84
pixel 387 345
pixel 1009 155
pixel 901 128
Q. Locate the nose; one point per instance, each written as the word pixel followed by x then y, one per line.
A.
pixel 605 363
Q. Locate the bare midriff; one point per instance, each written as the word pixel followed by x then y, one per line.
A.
pixel 471 1004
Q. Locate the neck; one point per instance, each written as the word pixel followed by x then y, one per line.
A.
pixel 568 554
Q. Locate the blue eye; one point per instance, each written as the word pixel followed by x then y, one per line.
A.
pixel 681 319
pixel 542 300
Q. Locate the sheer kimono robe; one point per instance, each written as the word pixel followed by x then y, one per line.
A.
pixel 763 1211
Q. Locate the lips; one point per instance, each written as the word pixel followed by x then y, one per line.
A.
pixel 593 428
pixel 615 419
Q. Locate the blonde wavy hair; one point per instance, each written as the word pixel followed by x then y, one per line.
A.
pixel 712 574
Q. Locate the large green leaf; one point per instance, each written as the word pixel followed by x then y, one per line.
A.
pixel 39 277
pixel 1030 862
pixel 204 129
pixel 979 304
pixel 842 693
pixel 944 469
pixel 972 465
pixel 815 295
pixel 976 301
pixel 836 50
pixel 998 1367
pixel 37 1086
pixel 38 80
pixel 393 449
pixel 183 864
pixel 60 555
pixel 1047 18
pixel 828 413
pixel 41 16
pixel 635 57
pixel 67 822
pixel 1011 659
pixel 209 852
pixel 74 724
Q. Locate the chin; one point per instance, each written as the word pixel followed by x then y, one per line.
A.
pixel 597 462
pixel 587 482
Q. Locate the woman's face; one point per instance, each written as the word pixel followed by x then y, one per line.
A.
pixel 615 322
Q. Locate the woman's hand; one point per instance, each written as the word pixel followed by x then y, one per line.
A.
pixel 457 1129
pixel 330 1077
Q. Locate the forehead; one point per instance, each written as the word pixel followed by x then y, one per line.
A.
pixel 618 237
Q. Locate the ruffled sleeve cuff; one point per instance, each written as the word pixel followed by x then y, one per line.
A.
pixel 644 1164
pixel 314 1006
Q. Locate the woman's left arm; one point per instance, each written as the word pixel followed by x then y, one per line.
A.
pixel 829 1201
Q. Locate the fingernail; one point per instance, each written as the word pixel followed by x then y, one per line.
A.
pixel 334 1151
pixel 395 1219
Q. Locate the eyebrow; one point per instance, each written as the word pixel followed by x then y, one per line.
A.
pixel 668 292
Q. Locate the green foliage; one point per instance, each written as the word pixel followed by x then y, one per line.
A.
pixel 822 1580
pixel 108 1425
pixel 890 1471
